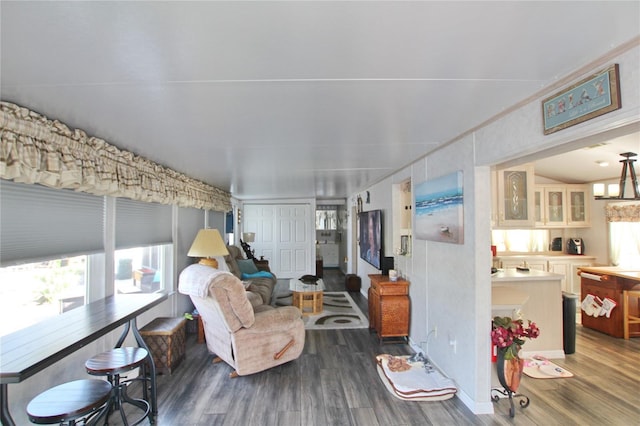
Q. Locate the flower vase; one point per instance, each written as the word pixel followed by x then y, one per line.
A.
pixel 509 371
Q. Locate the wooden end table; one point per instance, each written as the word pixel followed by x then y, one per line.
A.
pixel 307 297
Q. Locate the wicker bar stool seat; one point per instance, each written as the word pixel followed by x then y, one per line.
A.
pixel 85 401
pixel 112 364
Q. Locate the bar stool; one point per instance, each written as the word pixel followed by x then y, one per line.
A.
pixel 86 400
pixel 626 318
pixel 112 364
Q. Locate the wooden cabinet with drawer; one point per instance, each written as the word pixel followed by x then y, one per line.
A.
pixel 389 307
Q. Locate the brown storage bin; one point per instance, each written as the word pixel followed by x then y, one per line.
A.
pixel 352 282
pixel 165 338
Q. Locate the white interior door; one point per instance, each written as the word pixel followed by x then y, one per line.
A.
pixel 284 236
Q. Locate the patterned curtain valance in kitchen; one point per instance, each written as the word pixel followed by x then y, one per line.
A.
pixel 622 212
pixel 34 149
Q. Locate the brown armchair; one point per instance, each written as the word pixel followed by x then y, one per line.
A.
pixel 246 340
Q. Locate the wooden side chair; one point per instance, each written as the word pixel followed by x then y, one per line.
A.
pixel 626 317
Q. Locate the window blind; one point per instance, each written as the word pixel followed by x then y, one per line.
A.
pixel 140 224
pixel 40 223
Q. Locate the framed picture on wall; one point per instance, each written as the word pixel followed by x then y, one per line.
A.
pixel 589 98
pixel 439 209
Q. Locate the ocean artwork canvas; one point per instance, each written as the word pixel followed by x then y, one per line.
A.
pixel 439 209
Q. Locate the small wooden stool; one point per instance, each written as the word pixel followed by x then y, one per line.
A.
pixel 68 402
pixel 115 362
pixel 628 319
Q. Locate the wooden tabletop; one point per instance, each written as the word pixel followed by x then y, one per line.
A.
pixel 30 350
pixel 632 274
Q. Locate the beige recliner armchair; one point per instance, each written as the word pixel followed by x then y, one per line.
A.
pixel 246 340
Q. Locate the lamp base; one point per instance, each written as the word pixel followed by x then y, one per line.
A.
pixel 208 261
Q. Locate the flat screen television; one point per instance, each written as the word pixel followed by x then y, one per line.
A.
pixel 371 237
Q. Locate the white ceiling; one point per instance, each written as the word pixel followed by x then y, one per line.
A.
pixel 599 161
pixel 293 99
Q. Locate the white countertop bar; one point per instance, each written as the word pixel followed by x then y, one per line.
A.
pixel 542 255
pixel 512 274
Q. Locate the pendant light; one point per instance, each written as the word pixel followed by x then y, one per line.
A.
pixel 617 191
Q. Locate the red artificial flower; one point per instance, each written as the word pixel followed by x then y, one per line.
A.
pixel 509 334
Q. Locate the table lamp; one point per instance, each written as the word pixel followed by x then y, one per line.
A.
pixel 248 237
pixel 207 245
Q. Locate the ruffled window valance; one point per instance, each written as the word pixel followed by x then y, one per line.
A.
pixel 623 212
pixel 34 149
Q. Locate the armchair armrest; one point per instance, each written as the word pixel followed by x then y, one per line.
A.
pixel 273 320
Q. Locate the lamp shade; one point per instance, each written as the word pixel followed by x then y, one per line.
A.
pixel 249 237
pixel 208 244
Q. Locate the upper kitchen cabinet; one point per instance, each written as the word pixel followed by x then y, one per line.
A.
pixel 550 206
pixel 578 206
pixel 561 205
pixel 516 197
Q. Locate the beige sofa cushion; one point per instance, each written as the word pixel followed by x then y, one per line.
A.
pixel 234 253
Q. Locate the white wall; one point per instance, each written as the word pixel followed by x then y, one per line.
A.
pixel 450 284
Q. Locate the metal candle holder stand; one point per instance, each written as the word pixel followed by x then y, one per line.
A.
pixel 523 399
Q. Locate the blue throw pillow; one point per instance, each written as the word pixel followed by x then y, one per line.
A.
pixel 259 274
pixel 247 266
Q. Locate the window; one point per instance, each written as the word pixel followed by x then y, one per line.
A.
pixel 625 244
pixel 52 250
pixel 142 269
pixel 33 292
pixel 520 240
pixel 326 218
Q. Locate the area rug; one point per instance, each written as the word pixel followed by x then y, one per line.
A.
pixel 339 311
pixel 410 381
pixel 541 368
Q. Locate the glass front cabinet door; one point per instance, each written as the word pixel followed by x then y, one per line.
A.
pixel 555 206
pixel 515 196
pixel 578 206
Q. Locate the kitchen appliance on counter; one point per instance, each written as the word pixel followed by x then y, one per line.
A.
pixel 575 246
pixel 556 244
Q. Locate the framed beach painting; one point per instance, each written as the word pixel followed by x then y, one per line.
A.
pixel 439 209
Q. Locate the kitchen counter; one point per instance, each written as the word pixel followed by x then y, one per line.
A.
pixel 545 254
pixel 630 274
pixel 608 282
pixel 514 275
pixel 537 295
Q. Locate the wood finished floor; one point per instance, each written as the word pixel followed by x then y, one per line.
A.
pixel 334 382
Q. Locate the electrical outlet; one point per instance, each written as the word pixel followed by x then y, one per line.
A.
pixel 453 343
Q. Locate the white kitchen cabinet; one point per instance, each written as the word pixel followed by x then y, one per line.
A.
pixel 516 197
pixel 555 202
pixel 561 267
pixel 574 280
pixel 329 253
pixel 566 265
pixel 578 206
pixel 561 206
pixel 550 206
pixel 569 268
